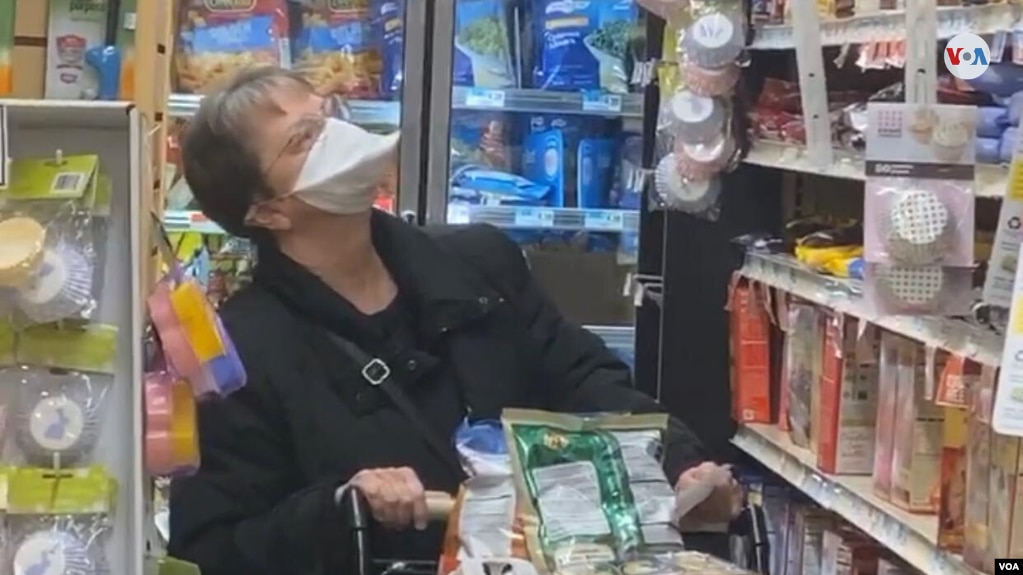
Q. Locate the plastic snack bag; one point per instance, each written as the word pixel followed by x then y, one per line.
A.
pixel 483 53
pixel 335 48
pixel 593 497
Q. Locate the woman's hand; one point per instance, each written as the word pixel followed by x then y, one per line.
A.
pixel 725 500
pixel 395 496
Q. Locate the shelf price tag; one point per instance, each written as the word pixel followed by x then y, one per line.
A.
pixel 595 101
pixel 604 221
pixel 534 218
pixel 458 214
pixel 5 158
pixel 482 98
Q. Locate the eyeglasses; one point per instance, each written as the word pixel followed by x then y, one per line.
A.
pixel 308 128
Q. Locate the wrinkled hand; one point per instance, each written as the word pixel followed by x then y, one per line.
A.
pixel 395 496
pixel 725 500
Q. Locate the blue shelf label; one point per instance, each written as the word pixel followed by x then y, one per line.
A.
pixel 482 98
pixel 596 101
pixel 534 217
pixel 604 220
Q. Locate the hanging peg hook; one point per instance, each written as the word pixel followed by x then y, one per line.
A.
pixel 58 157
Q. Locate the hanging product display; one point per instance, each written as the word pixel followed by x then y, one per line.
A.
pixel 172 438
pixel 919 208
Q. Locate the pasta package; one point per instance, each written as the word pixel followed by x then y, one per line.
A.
pixel 593 497
pixel 216 38
pixel 336 48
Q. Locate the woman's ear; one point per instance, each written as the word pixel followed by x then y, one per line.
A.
pixel 268 215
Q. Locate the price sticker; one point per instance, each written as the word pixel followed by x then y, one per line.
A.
pixel 604 220
pixel 481 98
pixel 458 214
pixel 5 158
pixel 601 102
pixel 534 218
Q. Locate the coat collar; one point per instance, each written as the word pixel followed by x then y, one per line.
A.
pixel 435 285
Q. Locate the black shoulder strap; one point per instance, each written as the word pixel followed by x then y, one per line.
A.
pixel 377 374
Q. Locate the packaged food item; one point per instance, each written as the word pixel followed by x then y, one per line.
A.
pixel 483 49
pixel 216 38
pixel 389 20
pixel 952 512
pixel 802 367
pixel 884 438
pixel 583 45
pixel 74 28
pixel 750 350
pixel 916 456
pixel 336 48
pixel 848 552
pixel 593 494
pixel 7 8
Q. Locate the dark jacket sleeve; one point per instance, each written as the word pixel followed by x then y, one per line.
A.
pixel 583 374
pixel 241 512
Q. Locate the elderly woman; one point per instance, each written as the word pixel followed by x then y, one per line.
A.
pixel 367 341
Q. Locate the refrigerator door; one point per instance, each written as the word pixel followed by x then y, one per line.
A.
pixel 536 127
pixel 367 55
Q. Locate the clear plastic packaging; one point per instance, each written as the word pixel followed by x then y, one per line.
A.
pixel 65 545
pixel 337 49
pixel 594 496
pixel 172 436
pixel 57 414
pixel 47 218
pixel 919 222
pixel 894 289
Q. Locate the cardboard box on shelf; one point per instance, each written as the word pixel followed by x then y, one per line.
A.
pixel 916 455
pixel 749 347
pixel 1005 507
pixel 952 510
pixel 801 369
pixel 847 552
pixel 884 432
pixel 848 397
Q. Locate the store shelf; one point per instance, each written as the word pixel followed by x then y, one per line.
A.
pixel 991 180
pixel 513 217
pixel 960 337
pixel 891 25
pixel 616 337
pixel 516 100
pixel 912 537
pixel 364 112
pixel 189 221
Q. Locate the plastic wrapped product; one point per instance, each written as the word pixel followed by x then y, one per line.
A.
pixel 713 40
pixel 583 45
pixel 336 50
pixel 710 81
pixel 21 250
pixel 703 161
pixel 698 197
pixel 919 222
pixel 919 290
pixel 593 496
pixel 58 525
pixel 389 20
pixel 695 119
pixel 61 288
pixel 216 39
pixel 172 437
pixel 483 53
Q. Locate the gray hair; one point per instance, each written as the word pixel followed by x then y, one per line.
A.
pixel 219 163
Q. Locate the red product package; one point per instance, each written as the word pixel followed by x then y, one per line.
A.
pixel 216 38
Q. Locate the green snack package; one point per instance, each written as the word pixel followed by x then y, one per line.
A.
pixel 594 498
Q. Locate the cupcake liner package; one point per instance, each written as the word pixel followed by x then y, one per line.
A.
pixel 919 208
pixel 50 271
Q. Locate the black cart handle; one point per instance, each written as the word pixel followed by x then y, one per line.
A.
pixel 358 517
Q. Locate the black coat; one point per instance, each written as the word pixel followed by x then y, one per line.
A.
pixel 485 338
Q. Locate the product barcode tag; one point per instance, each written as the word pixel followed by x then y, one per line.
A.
pixel 4 156
pixel 68 183
pixel 534 218
pixel 604 220
pixel 595 101
pixel 481 98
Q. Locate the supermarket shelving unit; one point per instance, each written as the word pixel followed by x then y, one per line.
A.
pixel 752 197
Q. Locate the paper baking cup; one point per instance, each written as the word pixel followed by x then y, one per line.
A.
pixel 712 41
pixel 61 287
pixel 917 227
pixel 57 419
pixel 910 288
pixel 21 250
pixel 693 197
pixel 696 119
pixel 710 81
pixel 703 161
pixel 53 553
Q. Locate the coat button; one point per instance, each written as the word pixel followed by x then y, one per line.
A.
pixel 412 365
pixel 484 300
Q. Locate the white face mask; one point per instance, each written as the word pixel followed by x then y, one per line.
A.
pixel 345 167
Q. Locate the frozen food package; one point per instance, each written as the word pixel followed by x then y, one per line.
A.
pixel 583 45
pixel 336 48
pixel 483 49
pixel 389 20
pixel 216 39
pixel 593 496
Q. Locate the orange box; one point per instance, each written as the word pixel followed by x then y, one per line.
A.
pixel 750 354
pixel 848 397
pixel 952 510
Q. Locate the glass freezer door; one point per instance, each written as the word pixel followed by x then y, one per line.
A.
pixel 360 52
pixel 536 128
